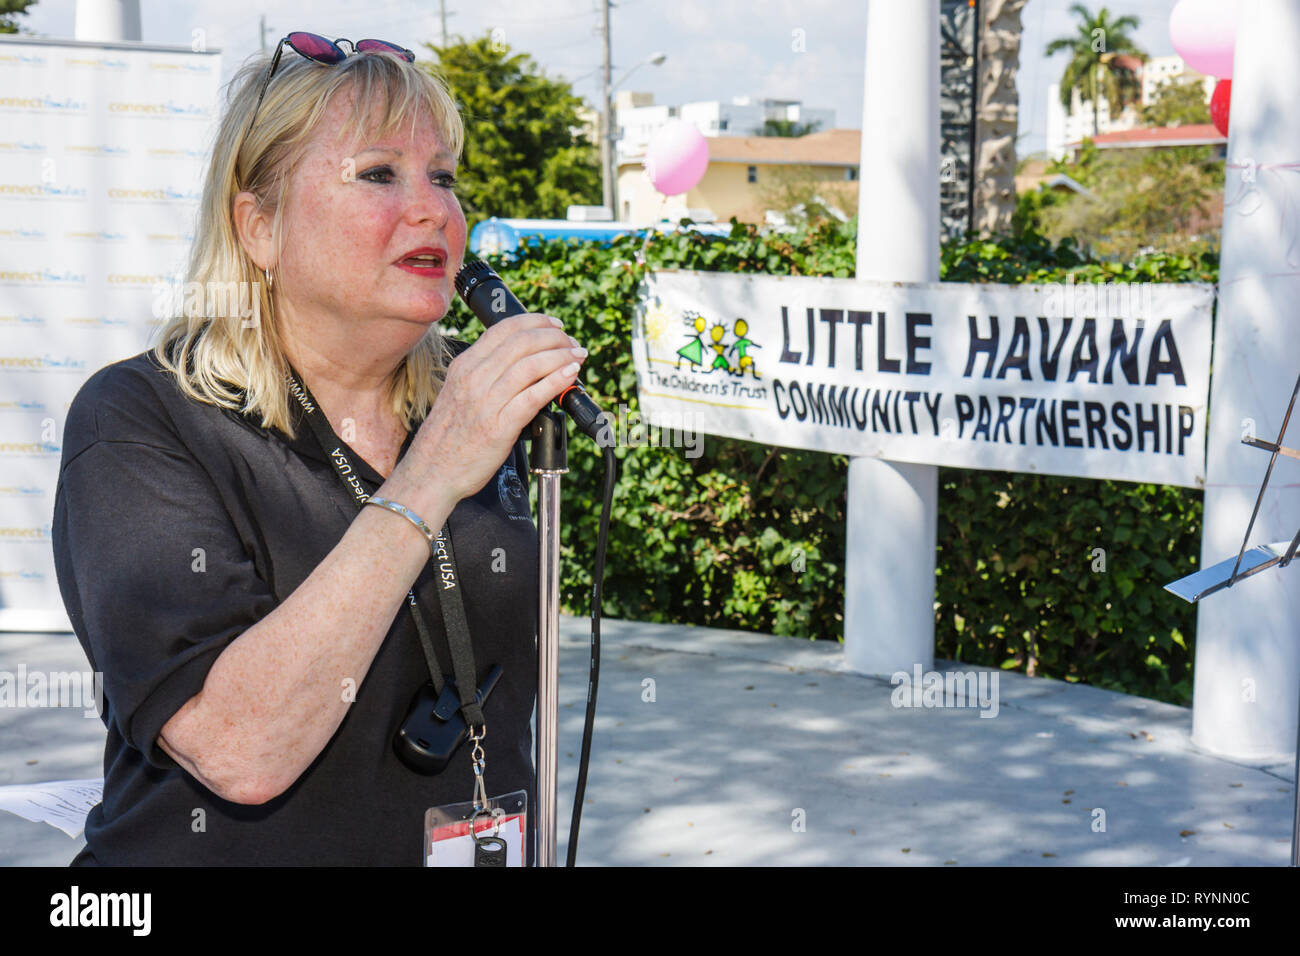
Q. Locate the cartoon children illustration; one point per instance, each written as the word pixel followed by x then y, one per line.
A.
pixel 719 360
pixel 693 351
pixel 741 347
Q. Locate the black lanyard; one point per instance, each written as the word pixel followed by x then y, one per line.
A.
pixel 448 579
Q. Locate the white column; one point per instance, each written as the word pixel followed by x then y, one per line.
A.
pixel 108 21
pixel 892 507
pixel 1247 673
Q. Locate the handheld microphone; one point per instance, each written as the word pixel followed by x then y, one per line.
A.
pixel 489 299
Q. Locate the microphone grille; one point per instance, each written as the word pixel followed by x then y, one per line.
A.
pixel 471 275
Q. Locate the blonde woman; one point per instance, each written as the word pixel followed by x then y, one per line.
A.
pixel 250 617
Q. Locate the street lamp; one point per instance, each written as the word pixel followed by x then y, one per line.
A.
pixel 609 150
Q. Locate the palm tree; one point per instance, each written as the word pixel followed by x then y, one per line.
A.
pixel 1104 61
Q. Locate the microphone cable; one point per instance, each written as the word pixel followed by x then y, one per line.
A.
pixel 593 675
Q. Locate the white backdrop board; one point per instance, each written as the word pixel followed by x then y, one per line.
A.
pixel 1085 380
pixel 102 152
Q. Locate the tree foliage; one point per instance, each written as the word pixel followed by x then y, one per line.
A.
pixel 1141 199
pixel 526 152
pixel 805 195
pixel 785 127
pixel 1177 104
pixel 10 11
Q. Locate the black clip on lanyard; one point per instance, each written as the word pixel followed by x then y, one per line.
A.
pixel 449 596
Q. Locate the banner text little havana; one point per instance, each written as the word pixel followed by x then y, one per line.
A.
pixel 1112 351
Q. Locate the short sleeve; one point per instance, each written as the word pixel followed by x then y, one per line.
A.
pixel 154 576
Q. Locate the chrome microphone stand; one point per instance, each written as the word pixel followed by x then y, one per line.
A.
pixel 548 459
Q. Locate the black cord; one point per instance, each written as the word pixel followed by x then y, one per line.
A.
pixel 593 677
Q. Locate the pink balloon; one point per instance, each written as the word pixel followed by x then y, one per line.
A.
pixel 677 157
pixel 1204 32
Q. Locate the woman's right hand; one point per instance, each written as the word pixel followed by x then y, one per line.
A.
pixel 492 391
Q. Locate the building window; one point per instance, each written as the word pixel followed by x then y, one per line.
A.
pixel 851 173
pixel 722 124
pixel 752 174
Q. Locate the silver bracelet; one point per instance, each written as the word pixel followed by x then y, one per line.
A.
pixel 406 512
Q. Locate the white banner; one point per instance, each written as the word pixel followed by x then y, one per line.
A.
pixel 102 152
pixel 1090 380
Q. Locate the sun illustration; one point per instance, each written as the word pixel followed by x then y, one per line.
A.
pixel 657 322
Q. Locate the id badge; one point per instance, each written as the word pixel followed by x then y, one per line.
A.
pixel 447 837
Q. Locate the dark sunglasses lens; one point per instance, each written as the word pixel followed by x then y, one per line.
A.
pixel 382 46
pixel 316 47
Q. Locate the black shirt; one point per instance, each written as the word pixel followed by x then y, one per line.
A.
pixel 177 526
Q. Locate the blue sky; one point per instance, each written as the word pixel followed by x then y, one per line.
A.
pixel 716 49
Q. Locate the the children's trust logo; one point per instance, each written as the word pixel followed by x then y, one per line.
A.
pixel 693 352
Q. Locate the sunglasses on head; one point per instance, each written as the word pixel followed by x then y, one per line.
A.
pixel 323 50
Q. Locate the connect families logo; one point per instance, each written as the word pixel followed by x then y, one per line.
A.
pixel 40 362
pixel 168 152
pixel 96 321
pixel 184 67
pixel 21 491
pixel 97 63
pixel 28 448
pixel 42 191
pixel 157 194
pixel 46 276
pixel 168 109
pixel 97 149
pixel 97 235
pixel 26 533
pixel 42 104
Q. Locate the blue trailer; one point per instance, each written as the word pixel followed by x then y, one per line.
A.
pixel 496 235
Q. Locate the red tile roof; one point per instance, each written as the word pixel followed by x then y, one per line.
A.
pixel 1193 134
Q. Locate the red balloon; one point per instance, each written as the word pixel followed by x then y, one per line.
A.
pixel 1219 104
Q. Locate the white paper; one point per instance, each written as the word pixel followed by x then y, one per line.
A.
pixel 60 803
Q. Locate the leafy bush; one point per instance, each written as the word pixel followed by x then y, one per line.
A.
pixel 716 540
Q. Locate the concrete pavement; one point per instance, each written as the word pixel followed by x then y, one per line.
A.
pixel 728 748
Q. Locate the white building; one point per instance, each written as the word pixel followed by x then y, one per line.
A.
pixel 1069 127
pixel 639 118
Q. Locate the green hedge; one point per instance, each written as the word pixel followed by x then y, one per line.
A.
pixel 752 537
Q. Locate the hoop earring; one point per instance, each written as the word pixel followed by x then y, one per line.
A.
pixel 269 282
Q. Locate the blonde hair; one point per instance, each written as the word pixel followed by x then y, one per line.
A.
pixel 217 360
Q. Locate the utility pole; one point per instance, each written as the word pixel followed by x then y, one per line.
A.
pixel 609 194
pixel 442 8
pixel 262 31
